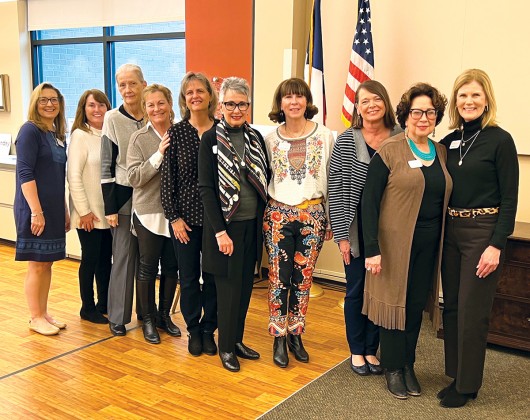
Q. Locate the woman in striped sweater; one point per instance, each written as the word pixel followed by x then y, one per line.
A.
pixel 372 123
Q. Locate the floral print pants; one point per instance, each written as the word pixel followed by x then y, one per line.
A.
pixel 293 239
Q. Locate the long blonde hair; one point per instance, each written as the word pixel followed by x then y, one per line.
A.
pixel 468 76
pixel 59 122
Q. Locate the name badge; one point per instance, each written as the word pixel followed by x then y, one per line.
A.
pixel 415 163
pixel 285 146
pixel 214 149
pixel 455 144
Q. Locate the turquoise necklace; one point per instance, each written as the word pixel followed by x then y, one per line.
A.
pixel 422 155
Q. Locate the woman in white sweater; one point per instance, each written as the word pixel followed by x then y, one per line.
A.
pixel 86 204
pixel 295 224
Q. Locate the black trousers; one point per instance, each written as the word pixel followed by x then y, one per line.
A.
pixel 153 249
pixel 234 290
pixel 198 303
pixel 361 333
pixel 96 261
pixel 467 299
pixel 398 348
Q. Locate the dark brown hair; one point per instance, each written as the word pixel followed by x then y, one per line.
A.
pixel 288 87
pixel 373 86
pixel 439 102
pixel 80 121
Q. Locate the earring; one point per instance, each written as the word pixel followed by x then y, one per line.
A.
pixel 305 114
pixel 486 108
pixel 282 116
pixel 434 132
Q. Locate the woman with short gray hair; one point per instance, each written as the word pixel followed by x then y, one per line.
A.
pixel 233 174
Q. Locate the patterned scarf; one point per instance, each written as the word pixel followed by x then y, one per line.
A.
pixel 229 172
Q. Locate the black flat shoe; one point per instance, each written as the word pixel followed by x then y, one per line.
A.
pixel 246 352
pixel 454 399
pixel 102 308
pixel 374 369
pixel 208 344
pixel 117 329
pixel 195 343
pixel 279 352
pixel 444 391
pixel 93 316
pixel 229 361
pixel 396 383
pixel 297 348
pixel 411 382
pixel 363 370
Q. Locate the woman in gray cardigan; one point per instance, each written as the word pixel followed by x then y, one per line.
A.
pixel 144 157
pixel 373 121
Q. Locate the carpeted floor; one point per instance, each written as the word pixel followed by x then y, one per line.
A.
pixel 341 394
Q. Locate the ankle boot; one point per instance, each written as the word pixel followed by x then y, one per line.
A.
pixel 295 346
pixel 166 296
pixel 280 356
pixel 146 296
pixel 411 382
pixel 395 382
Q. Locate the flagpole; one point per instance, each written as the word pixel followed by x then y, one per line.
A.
pixel 311 43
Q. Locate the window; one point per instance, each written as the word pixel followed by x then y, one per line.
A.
pixel 78 59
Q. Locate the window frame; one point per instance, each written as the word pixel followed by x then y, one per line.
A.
pixel 107 41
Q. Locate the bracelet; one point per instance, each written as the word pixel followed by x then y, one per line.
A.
pixel 176 220
pixel 219 234
pixel 39 213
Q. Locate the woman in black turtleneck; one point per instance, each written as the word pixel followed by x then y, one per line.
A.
pixel 482 161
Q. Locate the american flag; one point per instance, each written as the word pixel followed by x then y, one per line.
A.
pixel 314 68
pixel 361 60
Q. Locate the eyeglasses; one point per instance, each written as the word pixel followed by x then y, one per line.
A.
pixel 44 101
pixel 230 106
pixel 418 113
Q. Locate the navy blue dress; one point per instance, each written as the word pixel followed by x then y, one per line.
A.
pixel 40 158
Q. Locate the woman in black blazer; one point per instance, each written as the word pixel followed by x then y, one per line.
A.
pixel 233 174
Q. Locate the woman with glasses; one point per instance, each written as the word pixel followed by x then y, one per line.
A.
pixel 295 223
pixel 86 204
pixel 183 209
pixel 373 122
pixel 144 156
pixel 482 159
pixel 403 211
pixel 233 173
pixel 41 214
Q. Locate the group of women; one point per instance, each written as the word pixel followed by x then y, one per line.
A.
pixel 404 209
pixel 207 193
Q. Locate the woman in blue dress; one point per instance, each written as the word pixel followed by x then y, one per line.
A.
pixel 41 214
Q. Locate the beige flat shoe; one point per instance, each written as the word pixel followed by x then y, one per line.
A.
pixel 44 330
pixel 58 324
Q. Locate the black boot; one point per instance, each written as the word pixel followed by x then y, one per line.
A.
pixel 280 356
pixel 296 346
pixel 396 383
pixel 208 344
pixel 411 382
pixel 166 296
pixel 145 291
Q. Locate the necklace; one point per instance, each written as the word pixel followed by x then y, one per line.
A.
pixel 294 135
pixel 463 142
pixel 430 155
pixel 239 158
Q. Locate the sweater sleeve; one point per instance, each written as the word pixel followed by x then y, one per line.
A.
pixel 207 180
pixel 77 158
pixel 140 170
pixel 376 181
pixel 336 195
pixel 169 179
pixel 27 147
pixel 507 166
pixel 109 154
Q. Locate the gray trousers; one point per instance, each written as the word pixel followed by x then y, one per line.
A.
pixel 124 267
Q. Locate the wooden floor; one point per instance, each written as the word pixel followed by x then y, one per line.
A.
pixel 85 372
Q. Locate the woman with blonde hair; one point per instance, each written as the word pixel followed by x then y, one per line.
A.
pixel 86 204
pixel 482 160
pixel 144 157
pixel 41 214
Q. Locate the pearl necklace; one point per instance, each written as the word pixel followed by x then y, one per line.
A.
pixel 463 142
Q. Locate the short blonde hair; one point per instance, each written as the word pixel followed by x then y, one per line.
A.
pixel 468 76
pixel 165 91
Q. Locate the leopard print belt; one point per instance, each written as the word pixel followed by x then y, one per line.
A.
pixel 472 212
